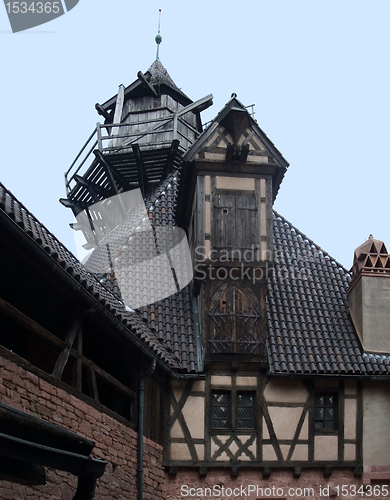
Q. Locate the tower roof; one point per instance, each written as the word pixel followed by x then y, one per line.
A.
pixel 155 81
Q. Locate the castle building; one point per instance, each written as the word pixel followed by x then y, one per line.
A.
pixel 258 367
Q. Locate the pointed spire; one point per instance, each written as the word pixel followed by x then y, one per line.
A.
pixel 158 38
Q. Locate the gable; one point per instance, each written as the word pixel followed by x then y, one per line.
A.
pixel 221 146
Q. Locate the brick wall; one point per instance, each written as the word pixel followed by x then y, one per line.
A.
pixel 281 485
pixel 115 442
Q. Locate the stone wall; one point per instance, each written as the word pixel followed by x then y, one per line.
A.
pixel 115 441
pixel 311 485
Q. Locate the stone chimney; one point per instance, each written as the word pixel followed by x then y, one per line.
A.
pixel 369 295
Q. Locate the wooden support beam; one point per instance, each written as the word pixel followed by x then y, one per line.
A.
pixel 203 471
pixel 146 84
pixel 102 112
pixel 327 472
pixel 92 384
pixel 142 177
pixel 267 471
pixel 30 325
pixel 110 173
pixel 57 343
pixel 297 472
pixel 76 207
pixel 198 106
pixel 79 361
pixel 171 158
pixel 95 189
pixel 244 153
pixel 234 471
pixel 64 355
pixel 120 99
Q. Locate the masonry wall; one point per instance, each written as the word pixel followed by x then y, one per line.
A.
pixel 311 485
pixel 115 442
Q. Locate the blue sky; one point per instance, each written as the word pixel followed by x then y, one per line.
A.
pixel 317 72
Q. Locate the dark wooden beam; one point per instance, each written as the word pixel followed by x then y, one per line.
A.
pixel 76 207
pixel 102 112
pixel 92 384
pixel 94 188
pixel 64 355
pixel 146 84
pixel 327 472
pixel 142 177
pixel 171 158
pixel 297 471
pixel 234 471
pixel 54 341
pixel 108 169
pixel 203 471
pixel 172 470
pixel 267 471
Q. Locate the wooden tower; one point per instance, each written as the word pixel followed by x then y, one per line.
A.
pixel 233 172
pixel 147 128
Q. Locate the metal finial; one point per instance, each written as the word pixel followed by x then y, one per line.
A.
pixel 158 36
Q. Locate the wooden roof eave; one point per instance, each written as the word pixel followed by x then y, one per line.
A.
pixel 150 89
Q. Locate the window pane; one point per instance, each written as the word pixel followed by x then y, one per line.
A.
pixel 220 410
pixel 325 411
pixel 245 410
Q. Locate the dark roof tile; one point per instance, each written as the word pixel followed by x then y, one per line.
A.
pixel 307 299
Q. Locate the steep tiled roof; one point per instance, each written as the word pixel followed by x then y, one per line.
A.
pixel 309 327
pixel 133 323
pixel 160 76
pixel 172 317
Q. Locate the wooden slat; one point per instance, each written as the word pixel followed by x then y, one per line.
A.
pixel 54 341
pixel 64 355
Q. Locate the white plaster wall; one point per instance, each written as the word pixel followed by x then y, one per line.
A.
pixel 376 428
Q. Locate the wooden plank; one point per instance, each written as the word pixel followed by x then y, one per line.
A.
pixel 64 355
pixel 92 384
pixel 171 158
pixel 142 178
pixel 79 361
pixel 197 106
pixel 118 112
pixel 29 324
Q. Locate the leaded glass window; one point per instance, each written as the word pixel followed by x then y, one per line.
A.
pixel 220 410
pixel 325 412
pixel 232 410
pixel 245 410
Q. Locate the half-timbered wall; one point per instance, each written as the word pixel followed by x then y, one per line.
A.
pixel 243 417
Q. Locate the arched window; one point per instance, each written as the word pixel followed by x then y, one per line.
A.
pixel 234 322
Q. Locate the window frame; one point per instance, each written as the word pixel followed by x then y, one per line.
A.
pixel 233 412
pixel 336 408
